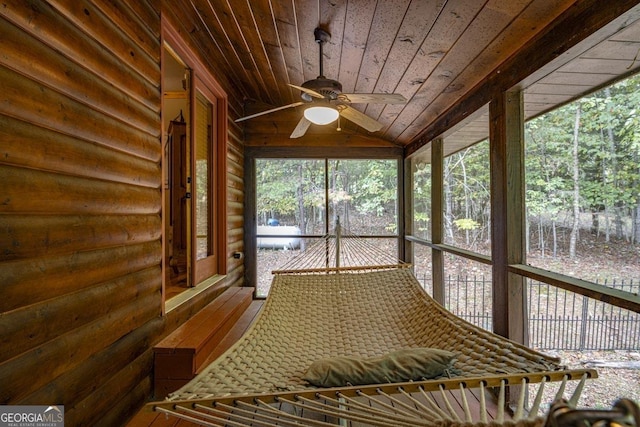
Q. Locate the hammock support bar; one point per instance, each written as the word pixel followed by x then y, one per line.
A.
pixel 409 387
pixel 240 411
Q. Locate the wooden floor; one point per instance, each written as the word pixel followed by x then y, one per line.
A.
pixel 456 402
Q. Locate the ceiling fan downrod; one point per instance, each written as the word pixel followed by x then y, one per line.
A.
pixel 322 37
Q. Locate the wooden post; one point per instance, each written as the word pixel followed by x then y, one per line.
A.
pixel 400 207
pixel 407 212
pixel 437 256
pixel 250 220
pixel 510 317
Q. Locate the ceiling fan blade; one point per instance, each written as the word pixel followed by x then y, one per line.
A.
pixel 295 104
pixel 359 118
pixel 373 98
pixel 309 91
pixel 301 128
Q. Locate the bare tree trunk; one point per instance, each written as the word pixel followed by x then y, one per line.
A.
pixel 527 237
pixel 466 199
pixel 333 186
pixel 617 220
pixel 635 235
pixel 346 223
pixel 554 230
pixel 302 221
pixel 614 169
pixel 607 224
pixel 541 241
pixel 595 223
pixel 448 214
pixel 576 188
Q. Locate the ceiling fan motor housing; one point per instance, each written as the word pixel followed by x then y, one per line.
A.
pixel 328 87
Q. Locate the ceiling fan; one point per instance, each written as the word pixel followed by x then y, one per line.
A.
pixel 327 102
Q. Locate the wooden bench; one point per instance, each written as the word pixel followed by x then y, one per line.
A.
pixel 188 349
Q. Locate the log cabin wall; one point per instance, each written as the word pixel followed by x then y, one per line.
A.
pixel 80 219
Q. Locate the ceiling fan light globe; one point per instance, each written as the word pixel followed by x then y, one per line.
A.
pixel 321 115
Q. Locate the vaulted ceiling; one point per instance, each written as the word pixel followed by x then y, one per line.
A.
pixel 431 52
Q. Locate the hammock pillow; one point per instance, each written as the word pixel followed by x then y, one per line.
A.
pixel 410 364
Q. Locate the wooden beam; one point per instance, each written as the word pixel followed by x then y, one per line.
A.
pixel 401 207
pixel 32 370
pixel 407 212
pixel 616 297
pixel 37 104
pixel 474 256
pixel 516 215
pixel 332 139
pixel 506 145
pixel 250 221
pixel 498 187
pixel 320 152
pixel 437 256
pixel 28 146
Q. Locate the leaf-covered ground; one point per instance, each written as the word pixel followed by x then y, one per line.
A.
pixel 612 383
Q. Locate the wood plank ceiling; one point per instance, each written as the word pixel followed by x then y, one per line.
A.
pixel 431 52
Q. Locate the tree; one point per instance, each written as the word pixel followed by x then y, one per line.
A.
pixel 599 175
pixel 576 186
pixel 466 192
pixel 546 173
pixel 289 190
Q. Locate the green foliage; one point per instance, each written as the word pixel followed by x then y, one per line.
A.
pixel 466 224
pixel 608 153
pixel 608 168
pixel 467 198
pixel 421 200
pixel 356 187
pixel 280 183
pixel 421 217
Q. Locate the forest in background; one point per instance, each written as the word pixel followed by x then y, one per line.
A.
pixel 582 165
pixel 362 193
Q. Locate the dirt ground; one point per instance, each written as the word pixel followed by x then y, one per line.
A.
pixel 599 261
pixel 620 380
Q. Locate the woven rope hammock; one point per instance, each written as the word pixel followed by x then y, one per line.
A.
pixel 343 307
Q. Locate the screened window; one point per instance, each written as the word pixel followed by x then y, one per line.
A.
pixel 582 176
pixel 421 198
pixel 300 200
pixel 466 207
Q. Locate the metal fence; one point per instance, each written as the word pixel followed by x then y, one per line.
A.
pixel 564 320
pixel 558 319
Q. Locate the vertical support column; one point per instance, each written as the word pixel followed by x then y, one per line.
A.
pixel 437 256
pixel 510 317
pixel 327 262
pixel 250 221
pixel 407 254
pixel 403 207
